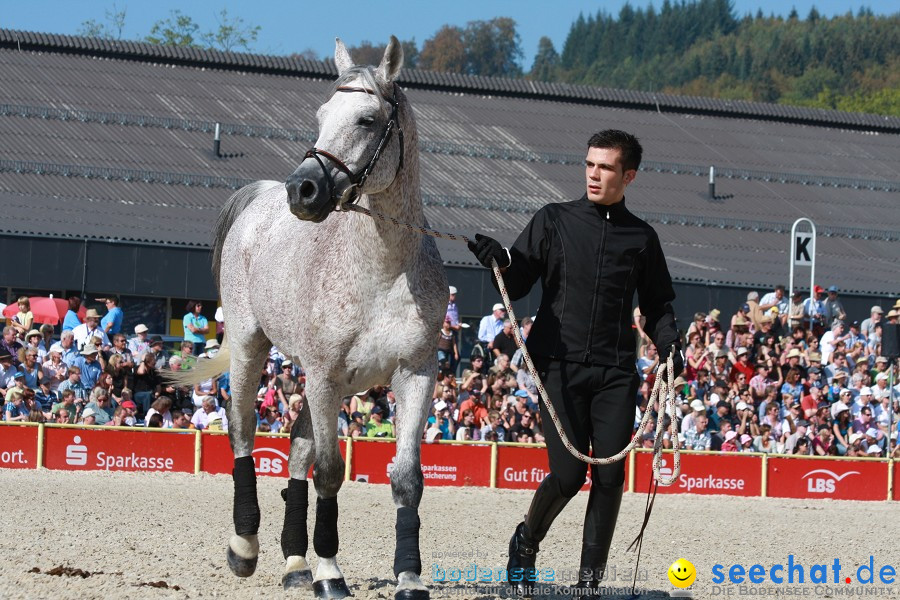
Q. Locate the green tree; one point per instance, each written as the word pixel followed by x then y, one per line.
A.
pixel 111 29
pixel 493 47
pixel 445 51
pixel 178 30
pixel 233 33
pixel 546 61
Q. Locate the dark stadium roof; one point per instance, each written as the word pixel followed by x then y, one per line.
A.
pixel 113 140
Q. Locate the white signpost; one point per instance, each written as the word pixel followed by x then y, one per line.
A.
pixel 803 253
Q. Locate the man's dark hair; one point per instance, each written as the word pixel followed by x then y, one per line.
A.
pixel 624 142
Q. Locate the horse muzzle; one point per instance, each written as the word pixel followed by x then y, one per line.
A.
pixel 311 192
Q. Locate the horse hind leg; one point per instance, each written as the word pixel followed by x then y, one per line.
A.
pixel 294 536
pixel 413 390
pixel 248 352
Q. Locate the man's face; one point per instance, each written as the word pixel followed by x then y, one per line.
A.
pixel 700 423
pixel 9 336
pixel 779 293
pixel 605 178
pixel 498 314
pixel 63 416
pixel 725 427
pixel 90 357
pixel 719 339
pixel 92 322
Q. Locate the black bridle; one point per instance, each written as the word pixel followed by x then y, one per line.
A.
pixel 358 179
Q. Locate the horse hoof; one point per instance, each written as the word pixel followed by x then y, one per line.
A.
pixel 412 595
pixel 297 580
pixel 240 566
pixel 331 589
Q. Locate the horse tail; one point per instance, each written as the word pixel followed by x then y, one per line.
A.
pixel 204 368
pixel 233 208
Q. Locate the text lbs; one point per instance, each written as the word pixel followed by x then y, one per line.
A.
pixel 820 486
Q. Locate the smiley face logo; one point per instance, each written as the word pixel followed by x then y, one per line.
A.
pixel 682 573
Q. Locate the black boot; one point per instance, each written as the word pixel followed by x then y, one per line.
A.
pixel 599 526
pixel 546 505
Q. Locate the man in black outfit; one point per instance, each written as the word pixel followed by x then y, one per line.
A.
pixel 591 256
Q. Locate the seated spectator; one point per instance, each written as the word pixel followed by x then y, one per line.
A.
pixel 378 426
pixel 45 396
pixel 698 438
pixel 162 407
pixel 65 406
pixel 823 444
pixel 467 430
pixel 792 384
pixel 841 428
pixel 209 415
pixel 764 441
pixel 719 437
pixel 100 403
pixel 272 419
pixel 494 426
pixel 139 344
pixel 873 437
pixel 647 363
pixel 742 366
pixel 119 419
pixel 88 417
pixel 523 430
pixel 864 421
pixel 181 420
pixel 864 400
pixel 721 367
pixel 802 447
pixel 720 416
pixel 15 409
pixel 505 341
pixel 729 443
pixel 747 419
pixel 85 332
pixel 800 434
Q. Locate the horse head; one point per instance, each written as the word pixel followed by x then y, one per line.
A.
pixel 360 145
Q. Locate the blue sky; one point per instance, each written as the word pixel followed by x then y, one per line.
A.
pixel 294 25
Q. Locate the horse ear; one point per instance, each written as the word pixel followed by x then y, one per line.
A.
pixel 341 56
pixel 391 62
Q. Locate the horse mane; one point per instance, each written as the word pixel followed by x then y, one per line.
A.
pixel 369 80
pixel 233 208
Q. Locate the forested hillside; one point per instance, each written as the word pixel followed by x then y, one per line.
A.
pixel 850 62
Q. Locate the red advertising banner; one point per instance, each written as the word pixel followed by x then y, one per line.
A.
pixel 836 479
pixel 459 465
pixel 896 468
pixel 270 455
pixel 18 447
pixel 730 474
pixel 98 449
pixel 442 464
pixel 519 467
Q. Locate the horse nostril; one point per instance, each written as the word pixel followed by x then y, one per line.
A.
pixel 307 189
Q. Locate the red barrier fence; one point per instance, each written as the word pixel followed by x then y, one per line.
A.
pixel 511 466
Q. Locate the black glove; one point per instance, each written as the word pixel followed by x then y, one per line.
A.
pixel 677 360
pixel 485 248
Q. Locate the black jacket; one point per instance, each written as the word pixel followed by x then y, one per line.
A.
pixel 591 259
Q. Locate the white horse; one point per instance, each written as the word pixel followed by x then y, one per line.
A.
pixel 358 302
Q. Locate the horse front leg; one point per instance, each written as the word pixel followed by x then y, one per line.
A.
pixel 247 358
pixel 294 535
pixel 328 477
pixel 413 391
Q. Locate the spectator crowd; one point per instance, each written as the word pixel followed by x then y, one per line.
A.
pixel 778 375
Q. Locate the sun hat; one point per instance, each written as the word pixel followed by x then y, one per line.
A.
pixel 746 438
pixel 140 328
pixel 88 350
pixel 452 289
pixel 872 432
pixel 873 449
pixel 33 332
pixel 212 343
pixel 730 435
pixel 88 412
pixel 92 314
pixel 498 306
pixel 697 405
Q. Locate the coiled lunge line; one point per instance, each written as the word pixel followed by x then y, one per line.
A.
pixel 663 387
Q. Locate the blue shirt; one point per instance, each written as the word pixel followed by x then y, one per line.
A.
pixel 197 321
pixel 71 321
pixel 114 316
pixel 90 372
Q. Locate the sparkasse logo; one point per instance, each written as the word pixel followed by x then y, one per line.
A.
pixel 826 482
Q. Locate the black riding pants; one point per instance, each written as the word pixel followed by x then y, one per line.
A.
pixel 596 405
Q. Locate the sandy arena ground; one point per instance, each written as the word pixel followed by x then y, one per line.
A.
pixel 146 528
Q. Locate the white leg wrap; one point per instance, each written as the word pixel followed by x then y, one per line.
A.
pixel 246 547
pixel 328 569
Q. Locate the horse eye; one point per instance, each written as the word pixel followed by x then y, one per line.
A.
pixel 366 121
